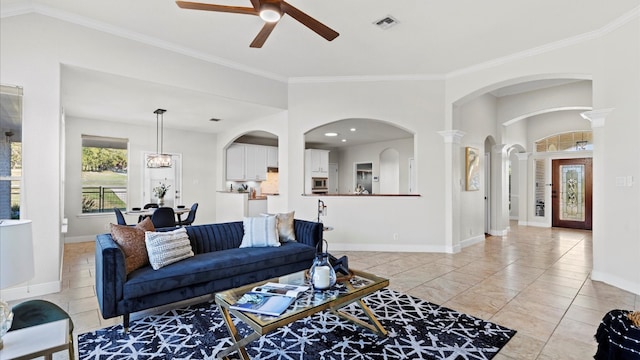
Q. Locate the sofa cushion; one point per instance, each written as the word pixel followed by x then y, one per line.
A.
pixel 167 247
pixel 131 241
pixel 260 231
pixel 214 265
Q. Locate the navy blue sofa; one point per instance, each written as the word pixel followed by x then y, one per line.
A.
pixel 218 264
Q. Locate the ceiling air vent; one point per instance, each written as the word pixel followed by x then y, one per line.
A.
pixel 386 22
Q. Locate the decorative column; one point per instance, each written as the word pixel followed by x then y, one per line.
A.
pixel 499 190
pixel 452 166
pixel 523 188
pixel 599 206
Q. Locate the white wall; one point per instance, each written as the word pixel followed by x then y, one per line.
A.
pixel 477 118
pixel 616 84
pixel 576 95
pixel 198 172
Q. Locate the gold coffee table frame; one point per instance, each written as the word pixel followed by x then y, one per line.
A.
pixel 304 306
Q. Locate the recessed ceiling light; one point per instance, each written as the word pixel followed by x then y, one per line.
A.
pixel 344 140
pixel 331 134
pixel 353 129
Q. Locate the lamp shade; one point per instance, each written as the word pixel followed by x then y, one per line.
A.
pixel 16 252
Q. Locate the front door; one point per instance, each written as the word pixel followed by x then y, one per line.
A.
pixel 571 193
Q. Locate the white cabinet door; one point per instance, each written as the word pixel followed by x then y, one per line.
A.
pixel 255 163
pixel 318 162
pixel 236 162
pixel 272 156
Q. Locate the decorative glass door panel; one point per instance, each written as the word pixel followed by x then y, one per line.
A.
pixel 571 193
pixel 572 206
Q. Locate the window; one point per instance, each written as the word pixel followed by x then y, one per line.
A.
pixel 104 174
pixel 10 151
pixel 571 141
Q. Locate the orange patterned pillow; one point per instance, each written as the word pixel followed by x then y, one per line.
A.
pixel 131 241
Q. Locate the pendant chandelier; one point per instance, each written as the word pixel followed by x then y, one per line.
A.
pixel 159 159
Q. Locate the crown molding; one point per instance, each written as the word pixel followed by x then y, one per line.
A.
pixel 365 78
pixel 29 7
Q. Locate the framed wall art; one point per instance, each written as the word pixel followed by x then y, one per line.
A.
pixel 472 166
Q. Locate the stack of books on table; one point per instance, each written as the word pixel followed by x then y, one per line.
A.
pixel 269 299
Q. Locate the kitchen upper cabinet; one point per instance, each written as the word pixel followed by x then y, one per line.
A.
pixel 246 162
pixel 255 162
pixel 272 156
pixel 317 163
pixel 236 162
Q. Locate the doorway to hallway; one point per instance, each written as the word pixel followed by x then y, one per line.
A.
pixel 571 193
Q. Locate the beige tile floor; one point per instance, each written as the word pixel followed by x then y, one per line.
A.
pixel 534 280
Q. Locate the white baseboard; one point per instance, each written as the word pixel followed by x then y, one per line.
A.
pixel 494 232
pixel 23 292
pixel 471 241
pixel 616 281
pixel 533 223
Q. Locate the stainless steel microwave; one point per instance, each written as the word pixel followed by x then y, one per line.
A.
pixel 319 184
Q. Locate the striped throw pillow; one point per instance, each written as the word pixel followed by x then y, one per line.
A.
pixel 260 231
pixel 165 248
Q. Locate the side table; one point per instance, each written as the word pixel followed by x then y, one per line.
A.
pixel 35 341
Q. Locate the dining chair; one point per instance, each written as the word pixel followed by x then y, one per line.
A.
pixel 119 217
pixel 163 217
pixel 147 206
pixel 191 217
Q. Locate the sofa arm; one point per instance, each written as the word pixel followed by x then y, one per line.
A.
pixel 308 232
pixel 110 275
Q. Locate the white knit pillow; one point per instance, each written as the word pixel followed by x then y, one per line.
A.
pixel 260 231
pixel 167 247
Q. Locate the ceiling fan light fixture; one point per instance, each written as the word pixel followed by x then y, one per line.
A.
pixel 270 12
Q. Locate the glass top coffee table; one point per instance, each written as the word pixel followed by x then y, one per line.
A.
pixel 310 302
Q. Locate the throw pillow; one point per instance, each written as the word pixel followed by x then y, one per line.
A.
pixel 131 241
pixel 146 224
pixel 286 230
pixel 260 231
pixel 167 247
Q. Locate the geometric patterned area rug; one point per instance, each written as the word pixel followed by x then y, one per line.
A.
pixel 416 329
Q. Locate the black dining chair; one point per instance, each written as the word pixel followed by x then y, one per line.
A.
pixel 147 206
pixel 163 217
pixel 191 217
pixel 119 217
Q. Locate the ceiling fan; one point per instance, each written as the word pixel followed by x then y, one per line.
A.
pixel 270 11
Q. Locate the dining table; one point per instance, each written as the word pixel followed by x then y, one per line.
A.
pixel 148 212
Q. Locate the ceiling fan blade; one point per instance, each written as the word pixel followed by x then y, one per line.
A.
pixel 306 20
pixel 263 34
pixel 256 4
pixel 219 8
